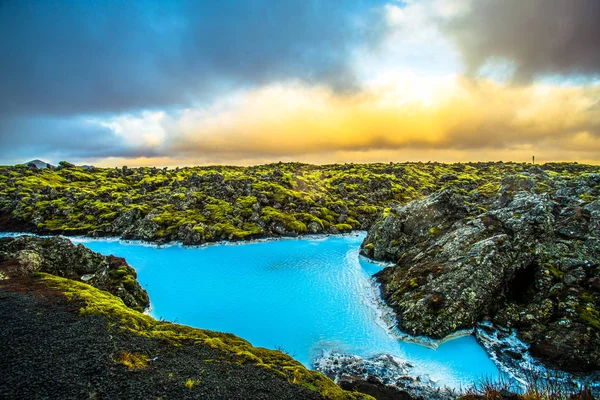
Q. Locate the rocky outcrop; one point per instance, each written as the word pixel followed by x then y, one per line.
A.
pixel 527 257
pixel 382 376
pixel 25 255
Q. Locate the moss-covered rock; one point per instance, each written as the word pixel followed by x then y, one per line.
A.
pixel 200 204
pixel 527 257
pixel 25 255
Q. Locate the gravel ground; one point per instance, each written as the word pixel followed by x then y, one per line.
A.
pixel 48 351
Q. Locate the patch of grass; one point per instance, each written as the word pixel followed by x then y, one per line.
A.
pixel 190 383
pixel 537 387
pixel 131 360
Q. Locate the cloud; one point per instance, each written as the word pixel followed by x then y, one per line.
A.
pixel 539 37
pixel 437 120
pixel 53 139
pixel 409 118
pixel 81 57
pixel 173 83
pixel 413 42
pixel 467 114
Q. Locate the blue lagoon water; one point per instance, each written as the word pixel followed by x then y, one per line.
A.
pixel 305 296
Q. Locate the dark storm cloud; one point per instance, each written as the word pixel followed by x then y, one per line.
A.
pixel 55 138
pixel 75 57
pixel 542 37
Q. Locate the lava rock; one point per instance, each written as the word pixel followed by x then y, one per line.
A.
pixel 25 255
pixel 522 259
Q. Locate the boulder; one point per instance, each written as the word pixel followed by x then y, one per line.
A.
pixel 58 256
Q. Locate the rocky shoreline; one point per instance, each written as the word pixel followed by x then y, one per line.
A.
pixel 520 258
pixel 70 330
pixel 383 376
pixel 23 256
pixel 513 357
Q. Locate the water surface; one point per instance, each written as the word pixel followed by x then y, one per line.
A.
pixel 305 296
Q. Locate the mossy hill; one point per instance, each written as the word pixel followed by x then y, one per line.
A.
pixel 62 338
pixel 200 204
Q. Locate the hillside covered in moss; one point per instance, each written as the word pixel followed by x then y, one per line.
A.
pixel 201 204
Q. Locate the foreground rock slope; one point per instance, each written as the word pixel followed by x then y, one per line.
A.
pixel 526 256
pixel 62 338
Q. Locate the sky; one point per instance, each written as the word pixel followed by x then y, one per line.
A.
pixel 113 83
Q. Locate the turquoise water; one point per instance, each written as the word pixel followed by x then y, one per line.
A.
pixel 305 296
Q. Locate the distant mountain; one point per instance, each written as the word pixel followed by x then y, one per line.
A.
pixel 38 163
pixel 64 164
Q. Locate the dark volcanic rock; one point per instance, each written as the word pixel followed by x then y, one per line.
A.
pixel 48 350
pixel 25 255
pixel 382 376
pixel 525 260
pixel 414 222
pixel 374 387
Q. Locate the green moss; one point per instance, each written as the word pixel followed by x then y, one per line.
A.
pixel 98 302
pixel 434 231
pixel 246 201
pixel 290 222
pixel 217 201
pixel 343 227
pixel 247 230
pixel 587 197
pixel 190 383
pixel 586 297
pixel 131 360
pixel 369 246
pixel 368 209
pixel 178 196
pixel 119 272
pixel 555 272
pixel 129 282
pixel 590 316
